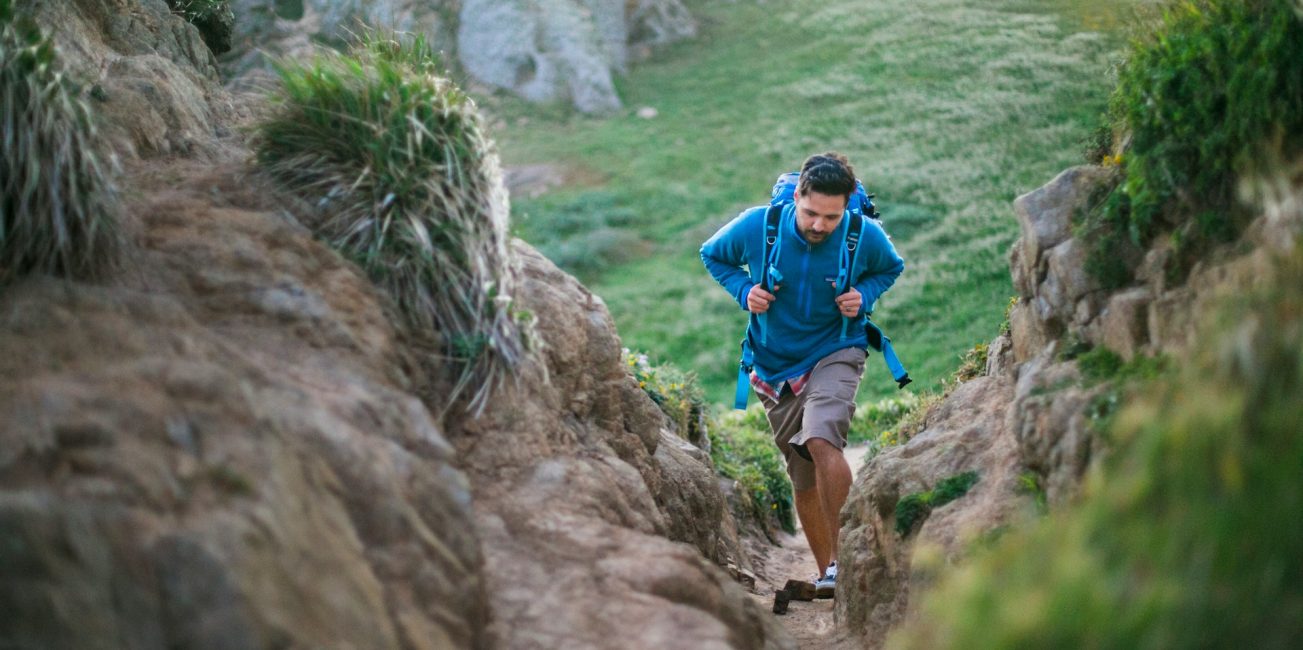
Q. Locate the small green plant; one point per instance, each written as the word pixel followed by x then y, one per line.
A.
pixel 675 392
pixel 914 508
pixel 406 183
pixel 972 364
pixel 875 421
pixel 1029 483
pixel 743 449
pixel 58 209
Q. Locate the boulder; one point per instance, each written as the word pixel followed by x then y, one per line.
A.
pixel 1066 281
pixel 880 572
pixel 1029 334
pixel 1046 214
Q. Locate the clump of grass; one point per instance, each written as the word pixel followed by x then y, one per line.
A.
pixel 742 449
pixel 1200 98
pixel 58 210
pixel 213 18
pixel 676 393
pixel 407 184
pixel 912 509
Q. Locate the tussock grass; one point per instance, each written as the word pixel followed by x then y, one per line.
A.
pixel 407 184
pixel 58 210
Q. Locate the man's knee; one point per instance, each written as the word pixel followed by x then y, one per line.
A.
pixel 820 448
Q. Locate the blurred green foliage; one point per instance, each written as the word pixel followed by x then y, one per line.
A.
pixel 1189 534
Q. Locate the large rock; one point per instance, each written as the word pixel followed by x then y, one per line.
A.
pixel 881 573
pixel 1046 214
pixel 155 80
pixel 216 451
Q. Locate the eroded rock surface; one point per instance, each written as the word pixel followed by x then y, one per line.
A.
pixel 214 450
pixel 579 490
pixel 881 571
pixel 148 73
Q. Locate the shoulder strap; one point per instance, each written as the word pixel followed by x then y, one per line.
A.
pixel 773 216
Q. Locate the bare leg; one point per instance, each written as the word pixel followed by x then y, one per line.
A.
pixel 809 509
pixel 832 477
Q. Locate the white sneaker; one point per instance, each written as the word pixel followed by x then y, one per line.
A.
pixel 825 587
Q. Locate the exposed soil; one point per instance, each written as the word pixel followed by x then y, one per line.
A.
pixel 810 623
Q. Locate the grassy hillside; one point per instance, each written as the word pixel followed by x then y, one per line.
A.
pixel 948 111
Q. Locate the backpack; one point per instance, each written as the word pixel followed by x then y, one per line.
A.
pixel 858 208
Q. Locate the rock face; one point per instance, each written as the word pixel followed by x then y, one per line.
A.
pixel 542 50
pixel 1026 426
pixel 577 488
pixel 881 571
pixel 156 81
pixel 215 451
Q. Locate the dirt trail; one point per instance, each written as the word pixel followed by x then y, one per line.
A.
pixel 810 623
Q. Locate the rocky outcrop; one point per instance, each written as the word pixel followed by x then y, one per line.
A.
pixel 149 74
pixel 1026 426
pixel 881 569
pixel 214 449
pixel 542 50
pixel 579 489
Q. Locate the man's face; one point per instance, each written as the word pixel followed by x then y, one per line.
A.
pixel 818 215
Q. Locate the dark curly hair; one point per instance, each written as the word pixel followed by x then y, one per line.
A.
pixel 827 173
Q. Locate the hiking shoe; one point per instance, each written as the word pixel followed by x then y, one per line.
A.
pixel 825 587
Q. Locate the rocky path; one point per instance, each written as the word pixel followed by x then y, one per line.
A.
pixel 810 623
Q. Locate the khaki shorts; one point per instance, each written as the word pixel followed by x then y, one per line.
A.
pixel 822 410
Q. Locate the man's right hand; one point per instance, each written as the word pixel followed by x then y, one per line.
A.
pixel 758 300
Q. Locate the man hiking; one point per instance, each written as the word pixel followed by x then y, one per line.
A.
pixel 807 361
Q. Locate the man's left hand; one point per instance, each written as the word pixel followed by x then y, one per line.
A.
pixel 849 303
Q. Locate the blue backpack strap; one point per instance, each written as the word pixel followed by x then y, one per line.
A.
pixel 849 258
pixel 879 341
pixel 769 275
pixel 743 390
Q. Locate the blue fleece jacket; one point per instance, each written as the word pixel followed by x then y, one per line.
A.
pixel 804 323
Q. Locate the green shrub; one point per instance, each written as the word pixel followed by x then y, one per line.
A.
pixel 1200 98
pixel 743 449
pixel 1187 535
pixel 58 211
pixel 675 392
pixel 912 509
pixel 407 184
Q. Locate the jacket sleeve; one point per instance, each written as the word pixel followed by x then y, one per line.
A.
pixel 725 253
pixel 882 265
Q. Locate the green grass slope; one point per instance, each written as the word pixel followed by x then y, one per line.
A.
pixel 949 110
